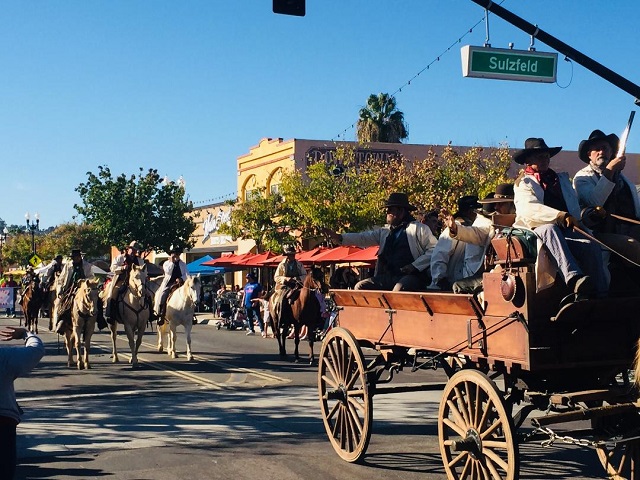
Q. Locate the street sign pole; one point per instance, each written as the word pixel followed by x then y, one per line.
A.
pixel 587 62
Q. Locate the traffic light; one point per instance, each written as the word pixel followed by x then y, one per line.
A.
pixel 289 7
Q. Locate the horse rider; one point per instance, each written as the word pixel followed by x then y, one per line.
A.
pixel 120 267
pixel 72 271
pixel 175 274
pixel 51 272
pixel 290 274
pixel 29 275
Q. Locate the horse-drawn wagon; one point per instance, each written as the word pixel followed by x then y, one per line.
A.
pixel 509 354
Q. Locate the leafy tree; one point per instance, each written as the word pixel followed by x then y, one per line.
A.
pixel 68 236
pixel 320 198
pixel 381 121
pixel 141 208
pixel 258 219
pixel 439 181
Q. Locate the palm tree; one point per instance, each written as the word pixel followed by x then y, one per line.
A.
pixel 380 121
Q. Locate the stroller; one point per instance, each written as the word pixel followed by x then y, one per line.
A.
pixel 232 316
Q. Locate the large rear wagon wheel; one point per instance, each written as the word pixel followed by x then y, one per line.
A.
pixel 475 431
pixel 621 462
pixel 344 395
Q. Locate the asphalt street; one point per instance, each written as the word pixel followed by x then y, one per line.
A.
pixel 236 411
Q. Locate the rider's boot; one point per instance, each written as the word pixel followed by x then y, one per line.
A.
pixel 60 327
pixel 160 314
pixel 109 311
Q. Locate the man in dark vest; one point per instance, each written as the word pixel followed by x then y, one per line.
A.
pixel 404 255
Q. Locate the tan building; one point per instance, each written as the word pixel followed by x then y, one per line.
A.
pixel 265 162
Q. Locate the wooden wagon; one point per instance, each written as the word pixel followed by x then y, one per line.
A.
pixel 567 359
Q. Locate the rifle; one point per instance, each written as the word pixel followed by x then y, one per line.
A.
pixel 622 146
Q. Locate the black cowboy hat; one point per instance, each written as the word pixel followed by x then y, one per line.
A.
pixel 583 149
pixel 289 250
pixel 533 145
pixel 58 257
pixel 503 193
pixel 466 203
pixel 176 250
pixel 136 246
pixel 399 199
pixel 76 251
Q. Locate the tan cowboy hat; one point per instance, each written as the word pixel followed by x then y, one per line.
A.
pixel 533 145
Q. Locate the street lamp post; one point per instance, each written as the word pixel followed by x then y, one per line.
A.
pixel 33 228
pixel 3 237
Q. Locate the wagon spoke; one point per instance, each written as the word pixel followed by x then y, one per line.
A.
pixel 495 459
pixel 330 382
pixel 489 470
pixel 355 419
pixel 455 427
pixel 355 403
pixel 494 426
pixel 333 411
pixel 487 409
pixel 334 360
pixel 471 405
pixel 331 368
pixel 477 405
pixel 456 414
pixel 462 405
pixel 358 392
pixel 495 444
pixel 468 465
pixel 459 457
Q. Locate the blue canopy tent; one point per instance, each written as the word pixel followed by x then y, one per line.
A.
pixel 196 267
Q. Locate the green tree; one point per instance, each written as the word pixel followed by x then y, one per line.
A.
pixel 381 121
pixel 141 208
pixel 320 198
pixel 259 219
pixel 68 236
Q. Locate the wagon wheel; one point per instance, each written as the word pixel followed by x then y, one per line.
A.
pixel 344 395
pixel 621 462
pixel 476 434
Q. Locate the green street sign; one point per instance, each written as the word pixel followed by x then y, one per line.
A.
pixel 508 64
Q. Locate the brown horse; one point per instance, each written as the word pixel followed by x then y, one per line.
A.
pixel 31 302
pixel 305 310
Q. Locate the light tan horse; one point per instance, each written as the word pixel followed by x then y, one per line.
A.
pixel 133 311
pixel 181 308
pixel 84 312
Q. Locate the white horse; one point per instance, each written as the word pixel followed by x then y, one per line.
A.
pixel 84 313
pixel 133 312
pixel 181 307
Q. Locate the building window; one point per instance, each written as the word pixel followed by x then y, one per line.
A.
pixel 275 189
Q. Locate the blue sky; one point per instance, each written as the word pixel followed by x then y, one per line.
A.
pixel 187 86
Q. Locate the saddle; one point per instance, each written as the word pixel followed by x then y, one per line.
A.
pixel 292 295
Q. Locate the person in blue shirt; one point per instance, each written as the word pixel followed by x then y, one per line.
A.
pixel 252 291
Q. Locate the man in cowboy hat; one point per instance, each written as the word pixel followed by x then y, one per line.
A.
pixel 547 203
pixel 479 234
pixel 451 256
pixel 175 274
pixel 289 274
pixel 602 184
pixel 72 271
pixel 405 249
pixel 120 267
